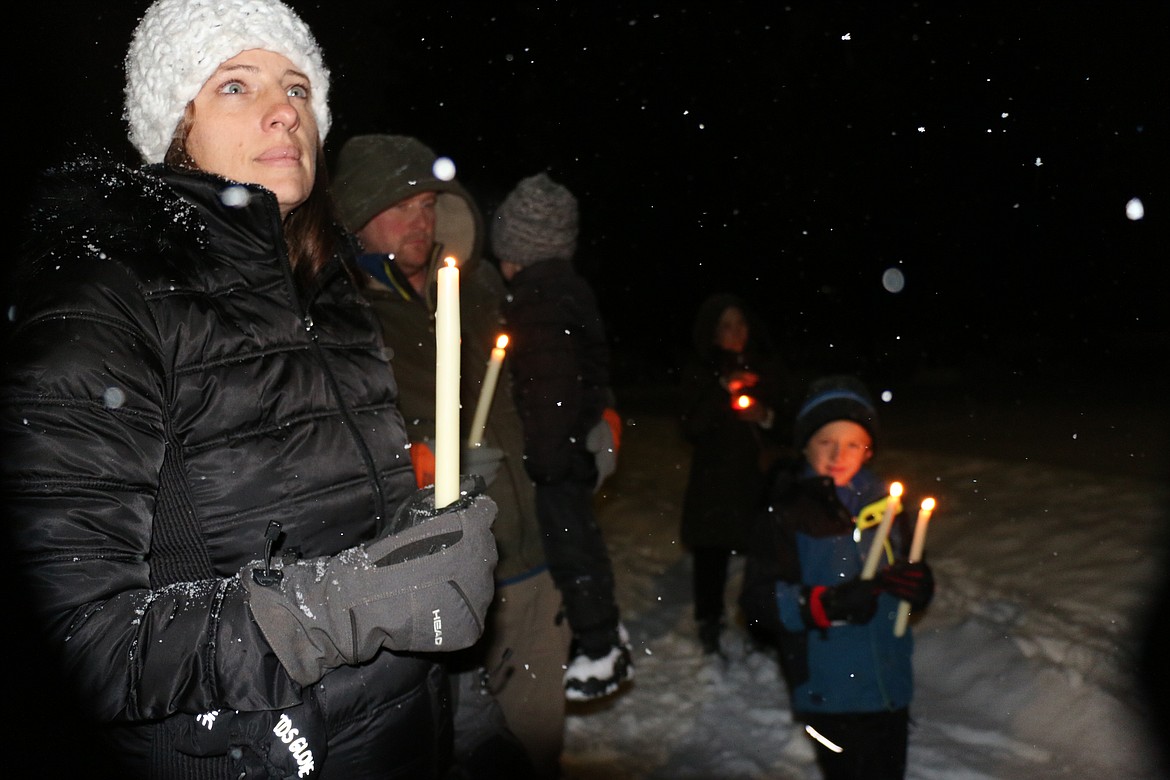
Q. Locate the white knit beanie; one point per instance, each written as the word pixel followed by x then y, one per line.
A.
pixel 180 43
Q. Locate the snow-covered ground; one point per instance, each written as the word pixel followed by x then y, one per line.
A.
pixel 1023 662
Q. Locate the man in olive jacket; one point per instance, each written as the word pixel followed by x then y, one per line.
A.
pixel 408 218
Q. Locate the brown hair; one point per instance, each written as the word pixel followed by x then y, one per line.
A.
pixel 310 230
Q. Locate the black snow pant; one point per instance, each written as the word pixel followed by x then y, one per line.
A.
pixel 709 580
pixel 579 563
pixel 872 744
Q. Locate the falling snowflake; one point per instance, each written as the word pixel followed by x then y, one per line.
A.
pixel 893 281
pixel 114 397
pixel 1134 209
pixel 235 196
pixel 444 169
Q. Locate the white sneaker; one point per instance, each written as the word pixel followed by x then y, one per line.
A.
pixel 591 678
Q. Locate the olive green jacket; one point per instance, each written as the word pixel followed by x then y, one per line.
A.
pixel 408 327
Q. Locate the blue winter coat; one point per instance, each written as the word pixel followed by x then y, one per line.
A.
pixel 809 536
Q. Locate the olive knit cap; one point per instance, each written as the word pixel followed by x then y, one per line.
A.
pixel 832 398
pixel 537 221
pixel 376 171
pixel 178 45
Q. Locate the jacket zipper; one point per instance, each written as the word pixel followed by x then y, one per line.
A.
pixel 302 310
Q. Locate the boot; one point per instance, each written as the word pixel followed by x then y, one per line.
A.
pixel 709 631
pixel 591 677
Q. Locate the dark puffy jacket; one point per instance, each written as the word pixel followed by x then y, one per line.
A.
pixel 559 359
pixel 167 394
pixel 727 481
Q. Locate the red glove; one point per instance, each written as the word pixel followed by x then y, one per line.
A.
pixel 854 602
pixel 422 457
pixel 615 427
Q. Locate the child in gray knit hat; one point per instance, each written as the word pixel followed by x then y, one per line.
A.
pixel 559 358
pixel 537 221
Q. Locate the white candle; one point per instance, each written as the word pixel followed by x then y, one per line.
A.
pixel 447 385
pixel 916 548
pixel 882 533
pixel 486 392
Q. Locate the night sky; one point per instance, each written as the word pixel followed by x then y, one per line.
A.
pixel 790 153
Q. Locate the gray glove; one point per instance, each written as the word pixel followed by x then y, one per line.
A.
pixel 483 461
pixel 424 587
pixel 480 460
pixel 599 441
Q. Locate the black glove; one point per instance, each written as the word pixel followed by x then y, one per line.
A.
pixel 854 601
pixel 282 743
pixel 424 587
pixel 262 744
pixel 912 582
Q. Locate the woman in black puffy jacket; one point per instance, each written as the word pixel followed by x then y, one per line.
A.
pixel 203 460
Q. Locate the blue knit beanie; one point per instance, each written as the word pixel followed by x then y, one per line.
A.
pixel 830 398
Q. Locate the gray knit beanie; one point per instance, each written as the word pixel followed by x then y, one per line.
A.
pixel 831 398
pixel 180 43
pixel 537 221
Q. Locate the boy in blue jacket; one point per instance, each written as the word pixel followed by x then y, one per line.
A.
pixel 849 677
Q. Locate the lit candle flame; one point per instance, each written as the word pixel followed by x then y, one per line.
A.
pixel 916 548
pixel 893 503
pixel 486 392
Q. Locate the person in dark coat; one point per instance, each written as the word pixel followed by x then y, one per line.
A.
pixel 559 360
pixel 407 220
pixel 735 443
pixel 206 478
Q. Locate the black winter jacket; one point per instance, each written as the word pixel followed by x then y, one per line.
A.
pixel 168 391
pixel 559 358
pixel 731 457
